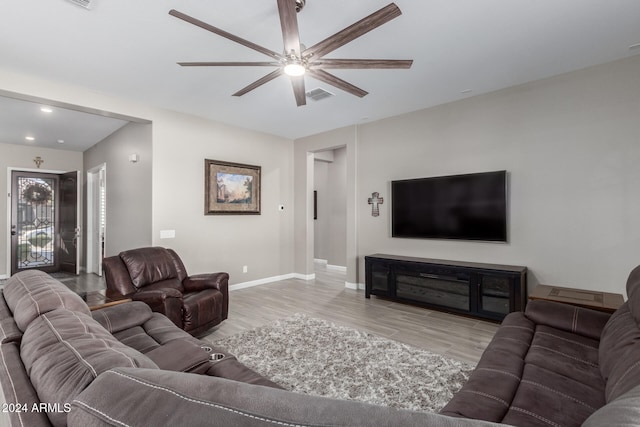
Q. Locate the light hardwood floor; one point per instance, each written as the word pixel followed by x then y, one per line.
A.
pixel 326 297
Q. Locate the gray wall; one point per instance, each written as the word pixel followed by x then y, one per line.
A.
pixel 571 146
pixel 128 186
pixel 330 179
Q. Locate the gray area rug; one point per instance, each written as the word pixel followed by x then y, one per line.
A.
pixel 314 356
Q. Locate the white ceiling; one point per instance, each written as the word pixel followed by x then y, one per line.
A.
pixel 130 49
pixel 57 127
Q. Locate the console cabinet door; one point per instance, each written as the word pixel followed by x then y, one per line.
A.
pixel 495 294
pixel 378 278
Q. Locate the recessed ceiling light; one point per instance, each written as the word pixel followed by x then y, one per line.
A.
pixel 635 46
pixel 29 138
pixel 61 141
pixel 466 91
pixel 46 110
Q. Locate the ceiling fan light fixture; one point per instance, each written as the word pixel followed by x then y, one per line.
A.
pixel 294 68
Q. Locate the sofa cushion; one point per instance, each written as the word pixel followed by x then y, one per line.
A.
pixel 488 393
pixel 620 353
pixel 620 343
pixel 633 294
pixel 32 293
pixel 567 354
pixel 578 320
pixel 64 351
pixel 149 266
pixel 545 397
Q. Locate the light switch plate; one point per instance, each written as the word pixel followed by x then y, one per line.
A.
pixel 167 234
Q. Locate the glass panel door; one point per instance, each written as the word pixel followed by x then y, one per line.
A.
pixel 34 223
pixel 494 295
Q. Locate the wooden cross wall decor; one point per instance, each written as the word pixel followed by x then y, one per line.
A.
pixel 375 203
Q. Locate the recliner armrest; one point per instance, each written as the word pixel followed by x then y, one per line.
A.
pixel 219 281
pixel 578 320
pixel 199 282
pixel 167 301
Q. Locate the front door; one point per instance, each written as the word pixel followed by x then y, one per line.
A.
pixel 44 219
pixel 69 230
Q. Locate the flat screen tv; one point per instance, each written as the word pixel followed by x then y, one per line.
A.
pixel 464 207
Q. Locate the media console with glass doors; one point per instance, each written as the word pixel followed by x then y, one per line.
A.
pixel 486 291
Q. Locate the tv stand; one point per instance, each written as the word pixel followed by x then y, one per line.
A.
pixel 487 291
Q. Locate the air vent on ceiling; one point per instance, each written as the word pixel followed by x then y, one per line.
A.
pixel 319 94
pixel 87 4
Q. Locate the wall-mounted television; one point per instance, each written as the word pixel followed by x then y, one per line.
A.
pixel 465 207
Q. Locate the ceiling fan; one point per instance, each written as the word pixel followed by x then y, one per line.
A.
pixel 298 60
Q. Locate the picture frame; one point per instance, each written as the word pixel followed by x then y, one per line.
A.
pixel 231 188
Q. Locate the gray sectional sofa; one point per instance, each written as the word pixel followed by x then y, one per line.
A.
pixel 63 365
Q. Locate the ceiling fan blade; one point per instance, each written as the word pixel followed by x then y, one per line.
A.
pixel 289 24
pixel 272 75
pixel 225 34
pixel 352 32
pixel 298 90
pixel 362 63
pixel 229 64
pixel 332 80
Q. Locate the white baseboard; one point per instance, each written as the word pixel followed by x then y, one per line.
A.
pixel 330 266
pixel 259 282
pixel 354 286
pixel 267 280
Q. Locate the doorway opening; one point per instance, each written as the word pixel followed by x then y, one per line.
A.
pixel 330 210
pixel 44 221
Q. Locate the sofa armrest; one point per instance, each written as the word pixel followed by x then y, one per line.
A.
pixel 17 391
pixel 186 399
pixel 166 301
pixel 199 282
pixel 119 317
pixel 578 320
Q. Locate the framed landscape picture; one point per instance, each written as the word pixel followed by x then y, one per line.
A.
pixel 231 188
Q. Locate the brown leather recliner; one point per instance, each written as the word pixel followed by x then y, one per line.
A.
pixel 157 277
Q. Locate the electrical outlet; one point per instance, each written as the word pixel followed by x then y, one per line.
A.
pixel 245 269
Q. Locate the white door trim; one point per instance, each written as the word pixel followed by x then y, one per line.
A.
pixel 94 236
